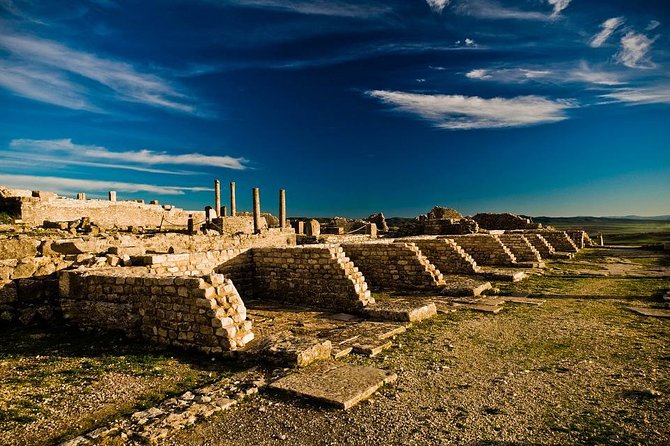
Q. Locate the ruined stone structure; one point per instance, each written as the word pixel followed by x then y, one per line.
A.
pixel 206 314
pixel 448 226
pixel 560 241
pixel 394 266
pixel 540 244
pixel 486 249
pixel 320 276
pixel 522 249
pixel 446 255
pixel 504 221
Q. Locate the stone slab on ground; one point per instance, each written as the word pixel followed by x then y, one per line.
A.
pixel 400 310
pixel 562 255
pixel 653 312
pixel 503 275
pixel 336 384
pixel 292 351
pixel 456 285
pixel 495 309
pixel 522 300
pixel 371 347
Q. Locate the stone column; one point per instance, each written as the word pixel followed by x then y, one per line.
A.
pixel 217 198
pixel 233 210
pixel 112 195
pixel 190 223
pixel 282 208
pixel 224 211
pixel 257 210
pixel 81 196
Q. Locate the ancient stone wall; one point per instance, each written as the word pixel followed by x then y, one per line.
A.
pixel 206 314
pixel 540 244
pixel 104 213
pixel 446 255
pixel 394 266
pixel 579 238
pixel 560 241
pixel 449 226
pixel 504 221
pixel 311 275
pixel 486 249
pixel 520 247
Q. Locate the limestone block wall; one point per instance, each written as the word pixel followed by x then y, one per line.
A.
pixel 180 243
pixel 520 247
pixel 205 314
pixel 486 249
pixel 445 226
pixel 398 265
pixel 560 241
pixel 236 264
pixel 447 256
pixel 540 244
pixel 104 213
pixel 310 275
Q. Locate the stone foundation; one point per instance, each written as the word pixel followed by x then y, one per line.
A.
pixel 486 249
pixel 312 275
pixel 520 247
pixel 206 314
pixel 394 266
pixel 446 255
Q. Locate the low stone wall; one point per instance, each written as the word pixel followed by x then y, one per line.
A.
pixel 448 226
pixel 206 314
pixel 520 247
pixel 311 275
pixel 446 255
pixel 394 266
pixel 540 244
pixel 560 241
pixel 486 249
pixel 504 221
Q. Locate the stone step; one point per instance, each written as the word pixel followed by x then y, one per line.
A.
pixel 335 384
pixel 370 347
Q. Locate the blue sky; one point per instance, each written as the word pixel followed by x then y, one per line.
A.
pixel 540 107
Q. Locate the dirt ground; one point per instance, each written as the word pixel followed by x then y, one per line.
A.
pixel 580 369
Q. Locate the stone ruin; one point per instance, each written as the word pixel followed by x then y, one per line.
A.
pixel 194 289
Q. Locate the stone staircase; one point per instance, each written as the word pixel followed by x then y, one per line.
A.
pixel 352 273
pixel 429 267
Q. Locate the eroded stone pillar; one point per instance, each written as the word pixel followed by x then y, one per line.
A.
pixel 217 198
pixel 233 209
pixel 257 209
pixel 112 195
pixel 282 208
pixel 81 196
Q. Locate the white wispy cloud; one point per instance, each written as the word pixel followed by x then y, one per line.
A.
pixel 437 5
pixel 33 57
pixel 491 9
pixel 634 51
pixel 607 28
pixel 655 94
pixel 653 25
pixel 44 86
pixel 88 153
pixel 585 73
pixel 69 185
pixel 473 112
pixel 515 75
pixel 559 5
pixel 332 8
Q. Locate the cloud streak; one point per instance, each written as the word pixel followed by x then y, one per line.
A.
pixel 36 59
pixel 490 9
pixel 556 74
pixel 655 94
pixel 607 28
pixel 90 153
pixel 331 8
pixel 458 112
pixel 68 185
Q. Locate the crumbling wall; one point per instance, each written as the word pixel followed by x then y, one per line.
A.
pixel 520 247
pixel 310 275
pixel 449 226
pixel 579 238
pixel 560 241
pixel 446 255
pixel 540 244
pixel 206 314
pixel 394 266
pixel 504 221
pixel 486 249
pixel 106 214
